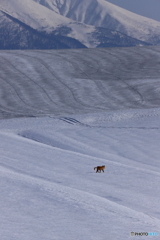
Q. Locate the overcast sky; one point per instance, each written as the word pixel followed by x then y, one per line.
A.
pixel 147 8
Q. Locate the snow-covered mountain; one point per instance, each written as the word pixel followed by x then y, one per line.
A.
pixel 29 24
pixel 17 35
pixel 101 13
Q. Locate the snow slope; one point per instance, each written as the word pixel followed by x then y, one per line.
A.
pixel 101 13
pixel 32 14
pixel 49 189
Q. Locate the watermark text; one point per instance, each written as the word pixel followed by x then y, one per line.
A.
pixel 144 234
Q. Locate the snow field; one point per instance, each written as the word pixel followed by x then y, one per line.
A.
pixel 49 189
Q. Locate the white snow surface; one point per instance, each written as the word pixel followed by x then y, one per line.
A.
pixel 49 189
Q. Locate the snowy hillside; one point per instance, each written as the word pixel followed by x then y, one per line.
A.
pixel 78 81
pixel 101 13
pixel 49 189
pixel 88 112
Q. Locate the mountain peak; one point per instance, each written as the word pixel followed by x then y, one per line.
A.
pixel 93 22
pixel 101 13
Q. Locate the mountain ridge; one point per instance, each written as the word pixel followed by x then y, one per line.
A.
pixel 49 24
pixel 25 37
pixel 105 13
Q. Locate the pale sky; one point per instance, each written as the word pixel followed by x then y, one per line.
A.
pixel 147 8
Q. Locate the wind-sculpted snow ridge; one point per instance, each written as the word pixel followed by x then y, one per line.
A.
pixel 38 83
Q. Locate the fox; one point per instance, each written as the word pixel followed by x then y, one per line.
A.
pixel 100 168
